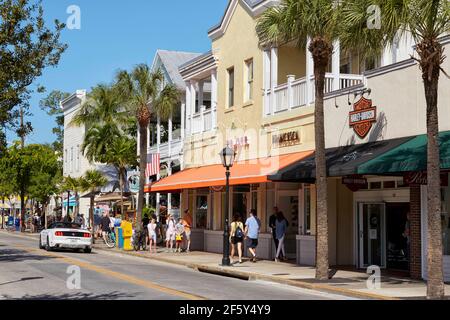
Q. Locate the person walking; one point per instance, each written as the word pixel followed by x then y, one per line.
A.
pixel 272 226
pixel 280 230
pixel 187 223
pixel 151 227
pixel 252 227
pixel 179 231
pixel 105 225
pixel 170 233
pixel 236 237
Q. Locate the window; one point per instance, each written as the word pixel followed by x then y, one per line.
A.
pixel 249 80
pixel 306 211
pixel 66 160
pixel 201 212
pixel 71 160
pixel 230 87
pixel 78 159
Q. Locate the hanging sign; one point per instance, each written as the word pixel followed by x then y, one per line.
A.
pixel 355 182
pixel 217 188
pixel 362 117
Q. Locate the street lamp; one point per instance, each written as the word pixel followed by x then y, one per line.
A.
pixel 227 156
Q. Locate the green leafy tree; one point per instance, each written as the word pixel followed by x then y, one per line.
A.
pixel 426 21
pixel 143 93
pixel 317 20
pixel 92 181
pixel 51 105
pixel 27 47
pixel 6 187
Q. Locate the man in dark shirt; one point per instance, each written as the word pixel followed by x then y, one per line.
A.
pixel 105 222
pixel 273 226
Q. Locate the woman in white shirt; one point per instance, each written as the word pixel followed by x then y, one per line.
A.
pixel 170 233
pixel 152 234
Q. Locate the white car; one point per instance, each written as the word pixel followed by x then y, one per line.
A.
pixel 65 235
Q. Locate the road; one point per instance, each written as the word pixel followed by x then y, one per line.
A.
pixel 29 273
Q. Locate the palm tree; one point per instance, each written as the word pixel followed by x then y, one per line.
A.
pixel 299 20
pixel 74 185
pixel 426 21
pixel 122 155
pixel 144 93
pixel 98 140
pixel 92 181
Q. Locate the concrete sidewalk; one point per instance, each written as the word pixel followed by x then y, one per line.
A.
pixel 349 283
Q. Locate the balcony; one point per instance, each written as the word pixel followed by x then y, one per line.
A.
pixel 168 150
pixel 201 121
pixel 296 93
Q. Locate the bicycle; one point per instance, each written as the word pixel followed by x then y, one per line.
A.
pixel 110 239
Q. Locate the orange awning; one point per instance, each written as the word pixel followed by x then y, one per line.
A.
pixel 243 172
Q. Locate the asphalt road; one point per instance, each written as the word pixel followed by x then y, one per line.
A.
pixel 29 273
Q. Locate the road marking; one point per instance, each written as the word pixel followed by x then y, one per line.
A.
pixel 114 274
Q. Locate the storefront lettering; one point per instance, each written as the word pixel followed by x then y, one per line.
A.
pixel 286 139
pixel 421 178
pixel 363 116
pixel 355 183
pixel 237 143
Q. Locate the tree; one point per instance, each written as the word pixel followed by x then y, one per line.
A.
pixel 74 185
pixel 6 187
pixel 316 20
pixel 426 21
pixel 98 140
pixel 51 105
pixel 27 47
pixel 143 94
pixel 92 181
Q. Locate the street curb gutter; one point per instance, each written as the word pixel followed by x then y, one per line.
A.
pixel 245 275
pixel 256 276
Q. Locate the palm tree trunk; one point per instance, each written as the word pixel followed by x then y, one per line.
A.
pixel 91 217
pixel 321 51
pixel 122 183
pixel 142 168
pixel 22 211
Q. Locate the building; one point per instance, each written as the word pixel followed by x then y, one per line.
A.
pixel 262 104
pixel 166 138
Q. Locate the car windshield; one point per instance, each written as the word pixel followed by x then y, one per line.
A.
pixel 65 225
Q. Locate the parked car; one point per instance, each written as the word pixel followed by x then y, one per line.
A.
pixel 65 235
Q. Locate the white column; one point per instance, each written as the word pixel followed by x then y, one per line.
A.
pixel 214 98
pixel 193 101
pixel 169 196
pixel 158 145
pixel 200 104
pixel 170 136
pixel 336 65
pixel 188 108
pixel 266 60
pixel 183 121
pixel 309 74
pixel 274 76
pixel 290 80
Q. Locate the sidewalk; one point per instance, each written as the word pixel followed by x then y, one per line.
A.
pixel 349 283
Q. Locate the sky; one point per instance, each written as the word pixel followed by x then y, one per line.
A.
pixel 118 34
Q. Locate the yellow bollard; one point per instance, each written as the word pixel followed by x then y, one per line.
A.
pixel 127 228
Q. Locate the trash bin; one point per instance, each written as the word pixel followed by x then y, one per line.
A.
pixel 119 237
pixel 127 230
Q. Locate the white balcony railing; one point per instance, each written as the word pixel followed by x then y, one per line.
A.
pixel 294 93
pixel 166 153
pixel 202 121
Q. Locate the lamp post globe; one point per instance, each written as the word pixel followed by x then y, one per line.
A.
pixel 227 155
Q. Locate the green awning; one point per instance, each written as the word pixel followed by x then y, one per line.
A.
pixel 410 156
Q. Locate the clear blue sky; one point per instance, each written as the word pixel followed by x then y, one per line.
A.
pixel 117 34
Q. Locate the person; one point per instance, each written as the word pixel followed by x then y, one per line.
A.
pixel 151 227
pixel 170 233
pixel 236 237
pixel 280 230
pixel 272 226
pixel 252 227
pixel 179 231
pixel 145 222
pixel 407 233
pixel 187 223
pixel 112 223
pixel 105 225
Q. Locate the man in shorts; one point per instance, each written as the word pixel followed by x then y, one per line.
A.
pixel 252 227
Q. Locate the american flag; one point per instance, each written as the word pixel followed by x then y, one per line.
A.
pixel 153 166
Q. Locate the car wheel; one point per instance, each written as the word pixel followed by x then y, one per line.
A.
pixel 87 250
pixel 40 243
pixel 47 245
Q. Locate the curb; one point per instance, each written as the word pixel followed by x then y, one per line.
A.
pixel 258 276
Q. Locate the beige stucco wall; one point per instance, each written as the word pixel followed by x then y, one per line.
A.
pixel 401 107
pixel 291 61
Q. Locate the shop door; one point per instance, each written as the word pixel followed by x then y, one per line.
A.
pixel 372 235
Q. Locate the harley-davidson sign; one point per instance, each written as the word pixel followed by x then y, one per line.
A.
pixel 362 117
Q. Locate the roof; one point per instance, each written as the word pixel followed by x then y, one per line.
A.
pixel 243 172
pixel 171 61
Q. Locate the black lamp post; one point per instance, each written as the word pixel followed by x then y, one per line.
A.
pixel 227 156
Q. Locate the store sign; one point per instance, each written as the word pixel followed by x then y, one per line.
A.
pixel 286 139
pixel 362 117
pixel 217 188
pixel 133 181
pixel 239 143
pixel 355 183
pixel 421 178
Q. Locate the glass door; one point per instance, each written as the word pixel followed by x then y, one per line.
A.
pixel 372 235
